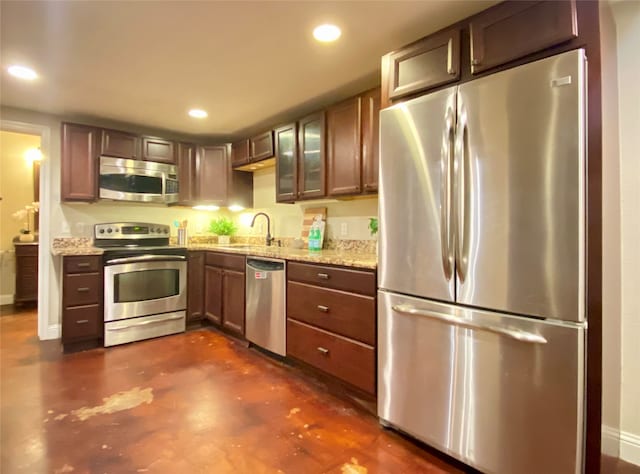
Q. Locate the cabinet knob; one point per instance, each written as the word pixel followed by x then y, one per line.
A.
pixel 323 276
pixel 324 309
pixel 323 351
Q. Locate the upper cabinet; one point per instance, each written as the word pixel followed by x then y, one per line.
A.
pixel 120 144
pixel 186 173
pixel 352 145
pixel 252 150
pixel 430 62
pixel 158 149
pixel 512 30
pixel 79 163
pixel 300 159
pixel 286 145
pixel 216 182
pixel 311 157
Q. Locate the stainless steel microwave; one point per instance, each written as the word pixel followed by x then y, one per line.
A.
pixel 139 181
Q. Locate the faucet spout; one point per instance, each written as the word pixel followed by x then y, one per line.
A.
pixel 268 239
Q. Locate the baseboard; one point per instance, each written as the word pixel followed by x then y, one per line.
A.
pixel 610 441
pixel 52 331
pixel 630 447
pixel 6 299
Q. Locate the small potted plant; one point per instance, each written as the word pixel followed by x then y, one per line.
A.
pixel 373 229
pixel 224 228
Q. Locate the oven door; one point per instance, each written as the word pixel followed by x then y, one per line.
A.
pixel 144 285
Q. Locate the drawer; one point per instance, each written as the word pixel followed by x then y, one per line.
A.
pixel 357 281
pixel 343 358
pixel 347 314
pixel 82 322
pixel 82 289
pixel 82 264
pixel 26 250
pixel 225 260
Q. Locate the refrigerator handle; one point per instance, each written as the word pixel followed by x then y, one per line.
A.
pixel 522 336
pixel 461 164
pixel 446 165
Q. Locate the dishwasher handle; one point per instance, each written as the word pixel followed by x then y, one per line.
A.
pixel 265 265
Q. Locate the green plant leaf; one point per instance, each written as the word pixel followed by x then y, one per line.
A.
pixel 223 226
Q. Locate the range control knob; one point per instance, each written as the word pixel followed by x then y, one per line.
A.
pixel 166 230
pixel 109 230
pixel 101 231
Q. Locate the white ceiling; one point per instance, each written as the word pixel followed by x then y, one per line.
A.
pixel 249 64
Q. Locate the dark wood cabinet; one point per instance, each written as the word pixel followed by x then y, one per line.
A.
pixel 26 273
pixel 311 157
pixel 224 297
pixel 187 189
pixel 195 284
pixel 370 140
pixel 331 321
pixel 427 63
pixel 233 299
pixel 240 153
pixel 82 286
pixel 120 144
pixel 513 30
pixel 79 163
pixel 158 149
pixel 344 147
pixel 261 146
pixel 286 149
pixel 212 173
pixel 352 145
pixel 213 294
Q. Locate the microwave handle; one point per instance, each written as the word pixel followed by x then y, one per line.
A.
pixel 146 258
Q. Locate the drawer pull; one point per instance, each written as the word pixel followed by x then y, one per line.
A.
pixel 82 265
pixel 83 290
pixel 82 321
pixel 324 309
pixel 323 351
pixel 323 276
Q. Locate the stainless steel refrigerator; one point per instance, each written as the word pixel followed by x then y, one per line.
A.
pixel 481 320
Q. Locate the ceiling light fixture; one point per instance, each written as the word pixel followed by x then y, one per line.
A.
pixel 22 72
pixel 33 154
pixel 326 33
pixel 198 113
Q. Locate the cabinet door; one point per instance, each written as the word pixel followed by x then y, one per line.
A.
pixel 240 153
pixel 79 170
pixel 213 294
pixel 286 163
pixel 311 157
pixel 120 144
pixel 512 30
pixel 157 149
pixel 261 146
pixel 370 140
pixel 344 158
pixel 430 62
pixel 213 173
pixel 233 301
pixel 26 273
pixel 186 173
pixel 195 285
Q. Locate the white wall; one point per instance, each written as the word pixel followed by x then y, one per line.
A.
pixel 627 18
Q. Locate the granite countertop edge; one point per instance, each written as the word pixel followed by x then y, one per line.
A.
pixel 329 257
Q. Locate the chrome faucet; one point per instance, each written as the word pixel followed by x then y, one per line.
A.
pixel 269 238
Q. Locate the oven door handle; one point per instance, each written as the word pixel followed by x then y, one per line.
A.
pixel 146 323
pixel 146 258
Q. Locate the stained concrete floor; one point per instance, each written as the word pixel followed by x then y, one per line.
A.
pixel 192 403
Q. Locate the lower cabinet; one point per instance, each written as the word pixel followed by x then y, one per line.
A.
pixel 26 273
pixel 82 285
pixel 331 321
pixel 195 279
pixel 224 295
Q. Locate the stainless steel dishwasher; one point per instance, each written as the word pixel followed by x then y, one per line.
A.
pixel 265 323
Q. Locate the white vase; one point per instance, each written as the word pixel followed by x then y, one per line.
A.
pixel 224 239
pixel 29 237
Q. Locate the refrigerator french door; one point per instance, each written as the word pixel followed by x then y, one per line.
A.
pixel 481 329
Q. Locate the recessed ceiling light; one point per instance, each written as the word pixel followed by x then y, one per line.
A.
pixel 326 33
pixel 198 113
pixel 22 72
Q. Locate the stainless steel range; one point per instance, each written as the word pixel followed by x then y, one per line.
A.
pixel 145 282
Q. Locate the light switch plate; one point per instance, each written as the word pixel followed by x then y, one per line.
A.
pixel 344 229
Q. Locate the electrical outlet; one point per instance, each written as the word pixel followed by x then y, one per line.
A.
pixel 344 229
